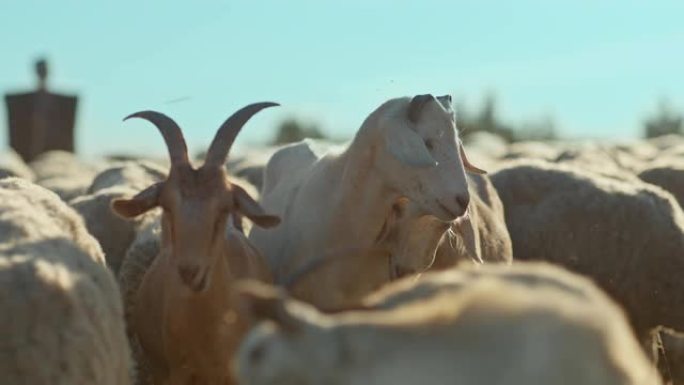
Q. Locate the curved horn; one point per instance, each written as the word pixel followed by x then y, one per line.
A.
pixel 226 134
pixel 175 143
pixel 416 106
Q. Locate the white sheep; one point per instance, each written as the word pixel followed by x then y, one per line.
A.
pixel 138 258
pixel 407 147
pixel 63 173
pixel 667 174
pixel 249 164
pixel 114 233
pixel 665 142
pixel 133 174
pixel 514 326
pixel 61 314
pixel 11 164
pixel 601 160
pixel 628 237
pixel 532 150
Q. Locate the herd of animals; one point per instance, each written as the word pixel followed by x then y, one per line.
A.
pixel 392 259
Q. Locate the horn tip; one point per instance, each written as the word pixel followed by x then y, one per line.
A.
pixel 134 115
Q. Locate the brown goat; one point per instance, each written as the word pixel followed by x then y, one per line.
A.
pixel 184 316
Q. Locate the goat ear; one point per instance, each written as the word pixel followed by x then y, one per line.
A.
pixel 248 207
pixel 140 203
pixel 260 302
pixel 466 163
pixel 465 228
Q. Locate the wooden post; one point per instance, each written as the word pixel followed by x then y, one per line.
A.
pixel 40 121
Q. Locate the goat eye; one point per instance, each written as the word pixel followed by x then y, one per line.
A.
pixel 428 143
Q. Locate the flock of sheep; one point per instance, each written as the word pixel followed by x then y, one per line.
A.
pixel 392 259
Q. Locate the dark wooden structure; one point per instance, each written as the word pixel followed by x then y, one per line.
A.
pixel 40 121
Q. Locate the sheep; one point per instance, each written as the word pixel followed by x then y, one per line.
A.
pixel 249 164
pixel 114 233
pixel 63 173
pixel 599 160
pixel 486 142
pixel 182 314
pixel 60 311
pixel 61 163
pixel 628 237
pixel 134 174
pixel 138 258
pixel 532 150
pixel 407 147
pixel 11 164
pixel 532 275
pixel 675 151
pixel 639 150
pixel 508 326
pixel 665 142
pixel 485 148
pixel 669 175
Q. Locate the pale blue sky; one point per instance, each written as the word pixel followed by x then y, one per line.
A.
pixel 597 67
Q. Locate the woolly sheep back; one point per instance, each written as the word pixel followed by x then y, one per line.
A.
pixel 59 305
pixel 626 236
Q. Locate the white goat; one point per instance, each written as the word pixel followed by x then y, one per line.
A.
pixel 407 147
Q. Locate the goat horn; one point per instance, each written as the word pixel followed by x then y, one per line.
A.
pixel 466 163
pixel 173 136
pixel 226 134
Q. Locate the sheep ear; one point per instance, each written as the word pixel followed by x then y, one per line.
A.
pixel 139 204
pixel 248 207
pixel 260 302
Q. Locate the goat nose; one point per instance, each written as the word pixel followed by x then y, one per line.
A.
pixel 188 273
pixel 463 200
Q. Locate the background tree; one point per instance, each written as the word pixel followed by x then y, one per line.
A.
pixel 293 130
pixel 487 119
pixel 663 122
